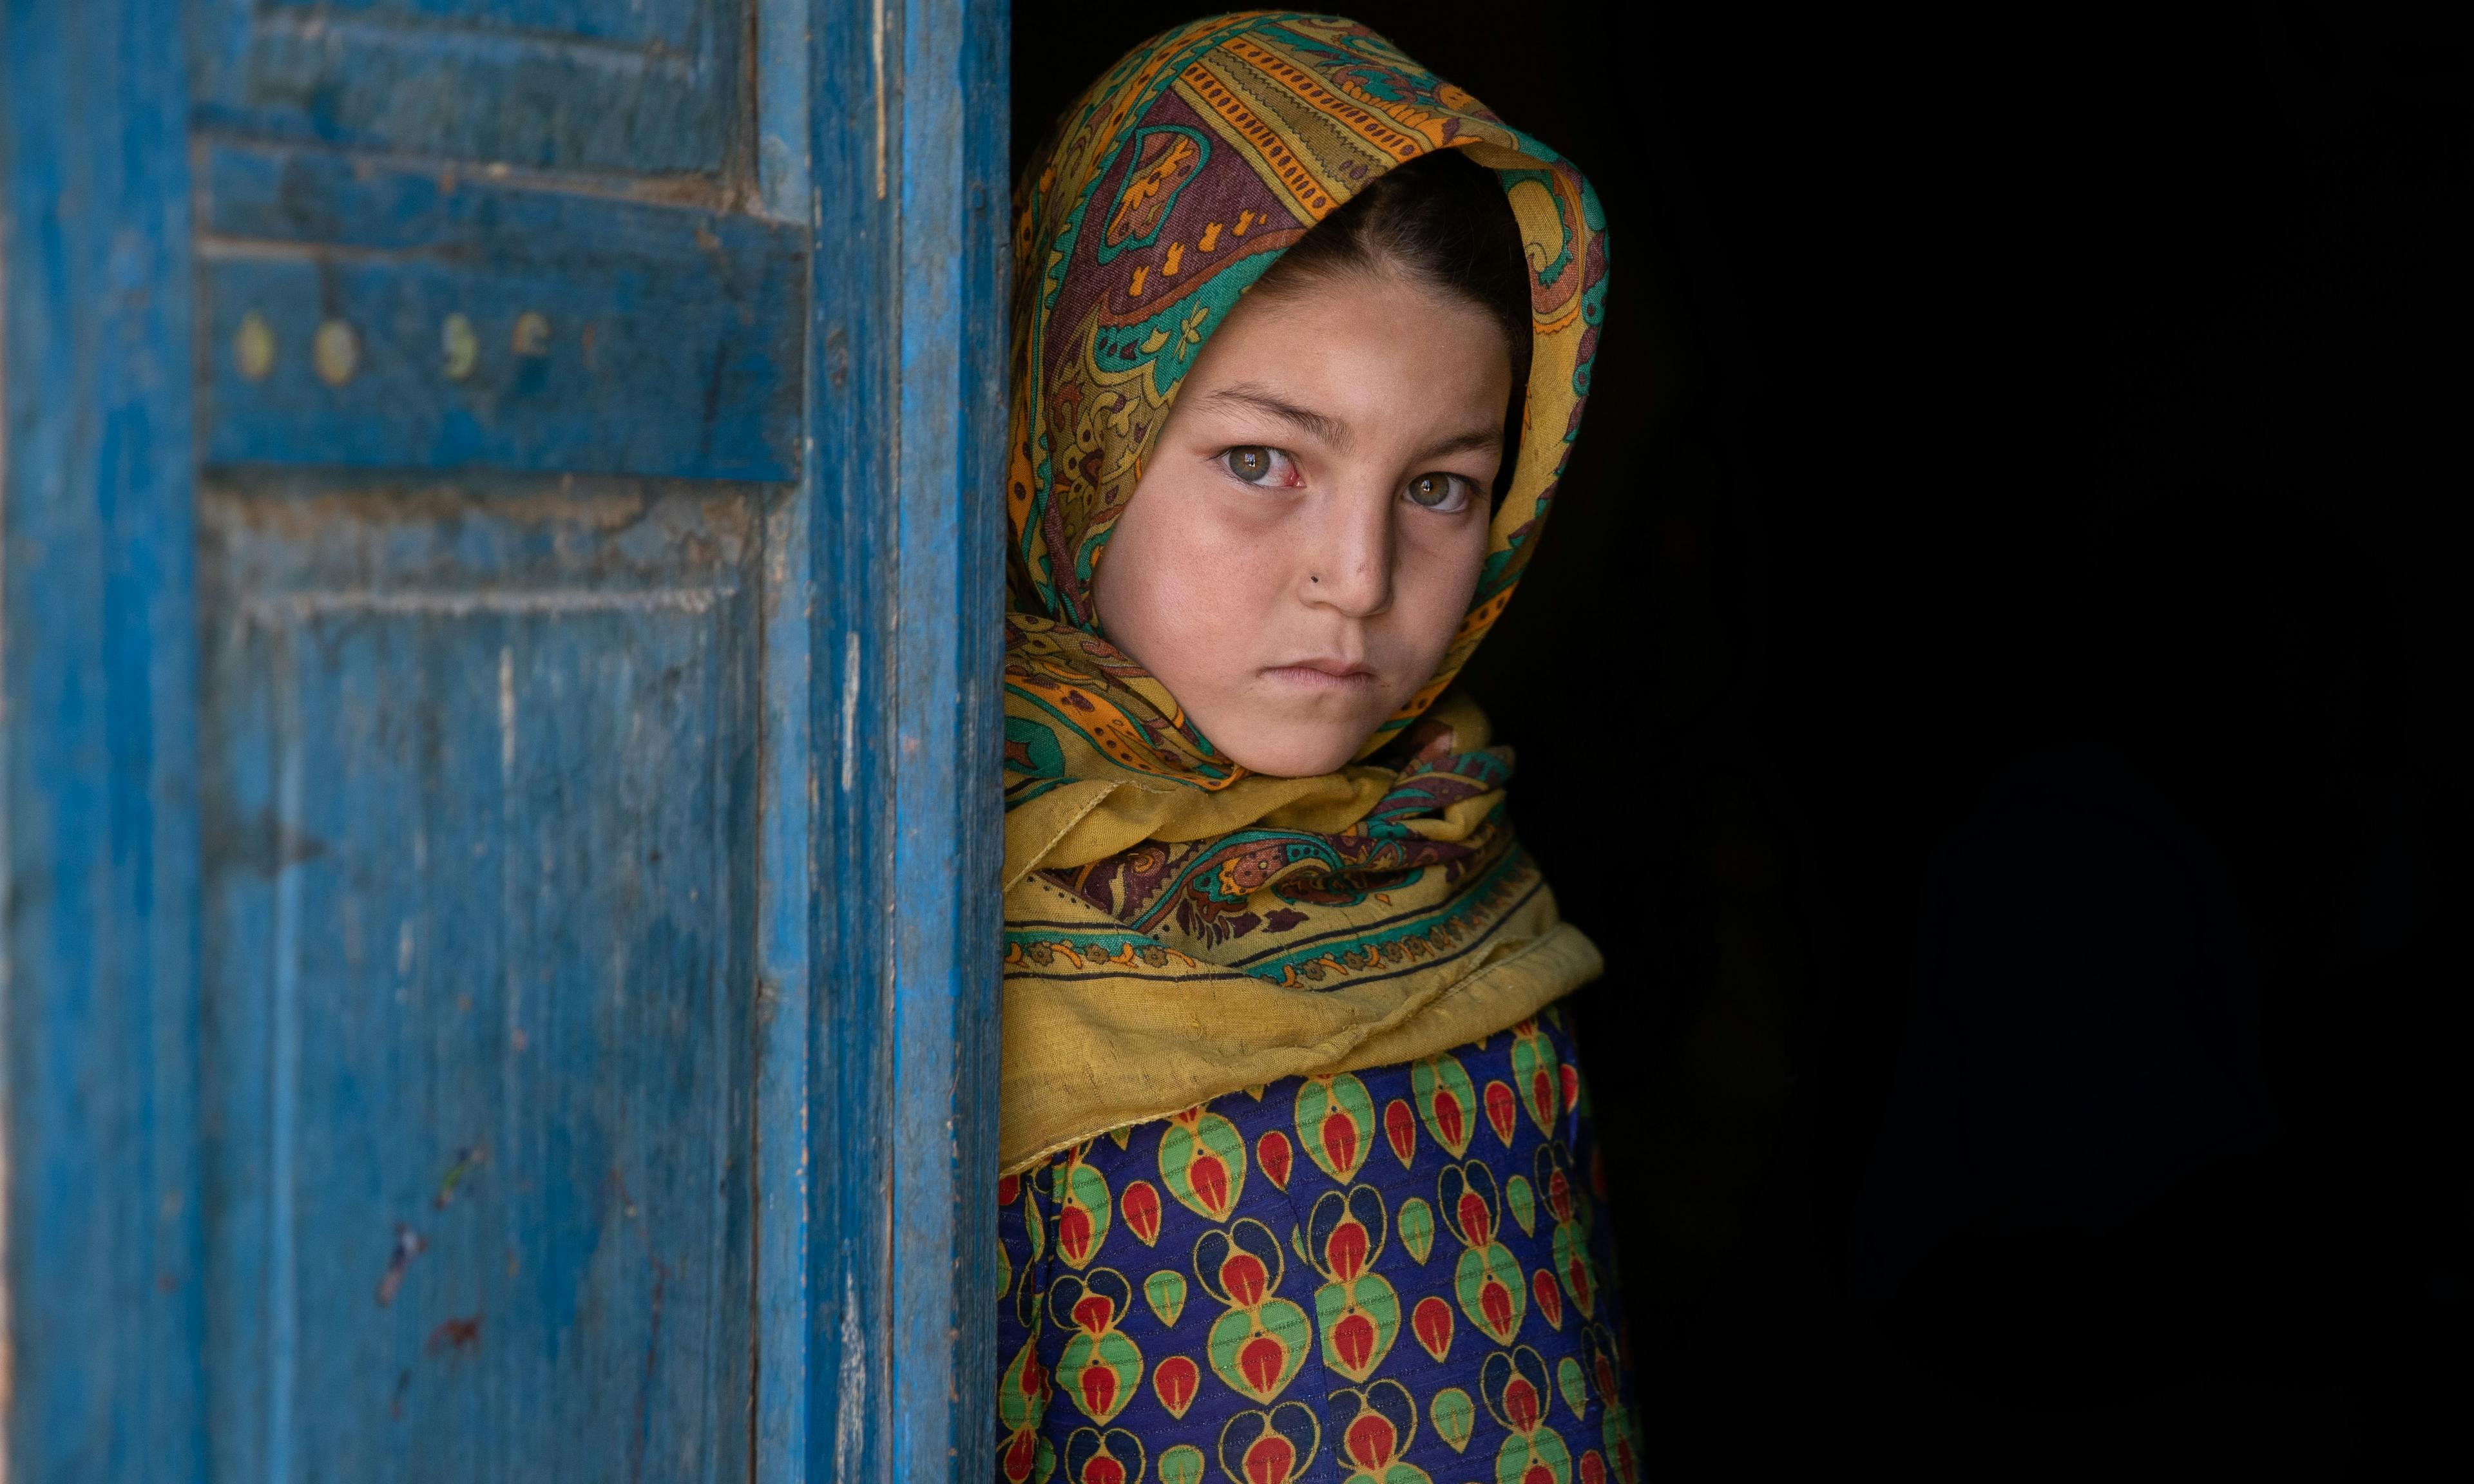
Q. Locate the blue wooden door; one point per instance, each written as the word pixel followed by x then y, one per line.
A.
pixel 501 597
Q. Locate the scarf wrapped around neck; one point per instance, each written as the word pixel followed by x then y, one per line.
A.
pixel 1178 927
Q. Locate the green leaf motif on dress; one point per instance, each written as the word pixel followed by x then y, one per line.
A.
pixel 1536 1073
pixel 1521 1454
pixel 1336 1124
pixel 1202 1162
pixel 1523 1202
pixel 1022 1393
pixel 1165 1292
pixel 1487 1284
pixel 1099 1373
pixel 1575 1388
pixel 1445 1101
pixel 1358 1321
pixel 1258 1352
pixel 1415 1224
pixel 1258 1345
pixel 1454 1417
pixel 1575 1267
pixel 1181 1465
pixel 1083 1211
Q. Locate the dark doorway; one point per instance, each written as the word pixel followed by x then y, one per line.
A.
pixel 1992 686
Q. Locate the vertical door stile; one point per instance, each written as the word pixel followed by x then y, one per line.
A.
pixel 795 760
pixel 99 1361
pixel 909 151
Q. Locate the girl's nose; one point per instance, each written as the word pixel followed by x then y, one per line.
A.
pixel 1351 567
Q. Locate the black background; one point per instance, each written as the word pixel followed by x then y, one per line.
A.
pixel 2027 464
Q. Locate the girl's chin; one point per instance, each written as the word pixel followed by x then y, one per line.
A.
pixel 1302 750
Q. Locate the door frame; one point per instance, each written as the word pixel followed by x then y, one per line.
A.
pixel 879 932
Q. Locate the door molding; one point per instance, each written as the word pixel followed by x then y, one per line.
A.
pixel 99 1377
pixel 906 374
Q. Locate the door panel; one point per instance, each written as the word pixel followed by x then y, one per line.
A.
pixel 498 644
pixel 483 730
pixel 644 86
pixel 378 316
pixel 478 774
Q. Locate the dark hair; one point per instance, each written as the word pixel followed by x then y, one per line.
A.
pixel 1441 221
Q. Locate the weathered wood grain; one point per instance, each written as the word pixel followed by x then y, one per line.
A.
pixel 636 86
pixel 907 372
pixel 580 917
pixel 98 986
pixel 491 326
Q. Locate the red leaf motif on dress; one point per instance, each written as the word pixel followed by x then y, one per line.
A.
pixel 1343 1251
pixel 1020 1451
pixel 1242 1278
pixel 1141 1203
pixel 1400 1127
pixel 1370 1442
pixel 1272 1150
pixel 1477 1223
pixel 1099 1389
pixel 1209 1176
pixel 1007 1187
pixel 1354 1338
pixel 1448 1115
pixel 1176 1380
pixel 1501 1108
pixel 1550 1298
pixel 1432 1322
pixel 1074 1233
pixel 1494 1301
pixel 1269 1459
pixel 1571 1089
pixel 1339 1138
pixel 1593 1469
pixel 1520 1404
pixel 1260 1360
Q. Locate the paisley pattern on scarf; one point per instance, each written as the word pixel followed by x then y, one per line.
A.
pixel 1399 1277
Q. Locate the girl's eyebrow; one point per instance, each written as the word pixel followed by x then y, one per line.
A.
pixel 1470 442
pixel 1329 431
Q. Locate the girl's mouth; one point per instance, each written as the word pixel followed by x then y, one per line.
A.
pixel 1321 675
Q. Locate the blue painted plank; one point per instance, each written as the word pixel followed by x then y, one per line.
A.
pixel 480 782
pixel 670 24
pixel 661 341
pixel 98 1000
pixel 910 337
pixel 656 88
pixel 844 1428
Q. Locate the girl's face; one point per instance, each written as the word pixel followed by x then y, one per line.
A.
pixel 1308 533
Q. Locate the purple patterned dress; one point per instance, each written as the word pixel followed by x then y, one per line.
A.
pixel 1394 1276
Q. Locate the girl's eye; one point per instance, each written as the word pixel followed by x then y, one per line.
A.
pixel 1445 492
pixel 1258 464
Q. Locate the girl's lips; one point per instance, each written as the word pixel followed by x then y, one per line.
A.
pixel 1312 675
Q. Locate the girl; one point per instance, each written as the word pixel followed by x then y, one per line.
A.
pixel 1300 1175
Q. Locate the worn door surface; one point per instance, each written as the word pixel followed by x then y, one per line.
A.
pixel 535 942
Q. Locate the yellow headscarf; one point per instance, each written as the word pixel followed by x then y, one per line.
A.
pixel 1176 927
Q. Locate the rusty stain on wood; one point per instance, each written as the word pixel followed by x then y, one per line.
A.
pixel 408 1245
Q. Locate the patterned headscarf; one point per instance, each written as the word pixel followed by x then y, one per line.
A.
pixel 1134 849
